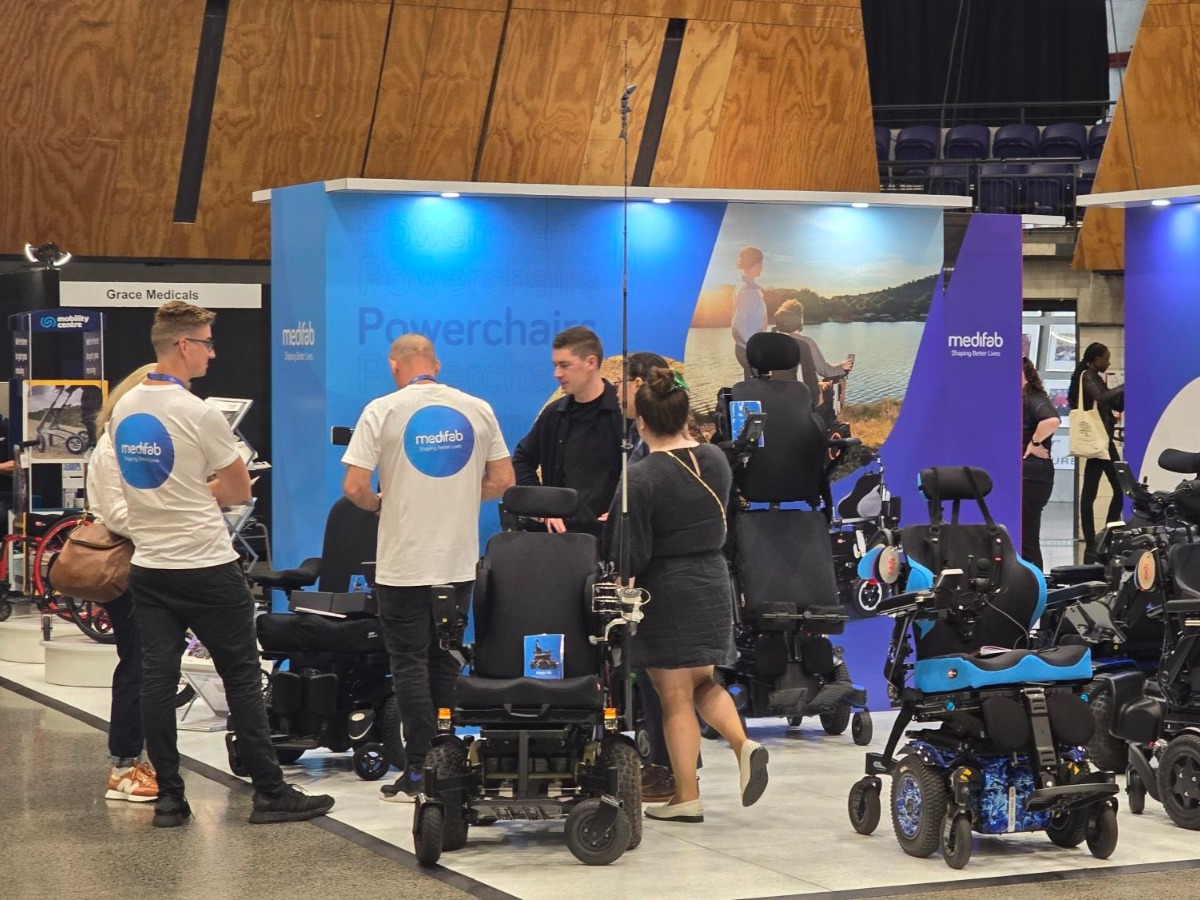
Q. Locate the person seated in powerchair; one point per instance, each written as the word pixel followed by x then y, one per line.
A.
pixel 781 558
pixel 550 744
pixel 1007 752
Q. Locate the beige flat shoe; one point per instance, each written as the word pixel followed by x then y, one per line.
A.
pixel 752 771
pixel 689 811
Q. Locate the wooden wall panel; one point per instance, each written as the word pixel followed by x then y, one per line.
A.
pixel 545 97
pixel 1159 114
pixel 434 93
pixel 697 100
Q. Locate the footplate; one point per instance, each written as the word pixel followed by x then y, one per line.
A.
pixel 1070 796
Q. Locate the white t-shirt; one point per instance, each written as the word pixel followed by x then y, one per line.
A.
pixel 430 444
pixel 749 313
pixel 105 494
pixel 168 441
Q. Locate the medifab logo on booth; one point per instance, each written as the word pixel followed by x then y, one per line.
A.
pixel 981 343
pixel 303 335
pixel 145 453
pixel 439 441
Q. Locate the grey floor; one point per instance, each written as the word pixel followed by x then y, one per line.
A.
pixel 60 839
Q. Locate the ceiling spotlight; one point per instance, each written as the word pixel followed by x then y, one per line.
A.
pixel 1162 201
pixel 48 255
pixel 450 195
pixel 860 205
pixel 661 200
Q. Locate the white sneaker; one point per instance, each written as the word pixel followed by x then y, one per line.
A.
pixel 752 771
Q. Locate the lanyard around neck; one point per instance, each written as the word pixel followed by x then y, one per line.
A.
pixel 418 378
pixel 158 376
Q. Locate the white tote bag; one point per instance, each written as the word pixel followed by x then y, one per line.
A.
pixel 1089 438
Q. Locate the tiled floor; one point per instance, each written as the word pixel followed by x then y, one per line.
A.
pixel 796 840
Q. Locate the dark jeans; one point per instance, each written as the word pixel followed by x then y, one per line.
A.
pixel 125 717
pixel 424 676
pixel 215 603
pixel 1034 497
pixel 1092 470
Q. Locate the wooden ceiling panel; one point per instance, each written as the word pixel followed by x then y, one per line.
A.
pixel 796 113
pixel 545 97
pixel 639 41
pixel 697 98
pixel 1158 115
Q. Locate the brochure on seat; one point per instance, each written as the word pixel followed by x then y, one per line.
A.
pixel 738 410
pixel 544 656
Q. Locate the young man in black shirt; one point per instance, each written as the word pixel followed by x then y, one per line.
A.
pixel 576 441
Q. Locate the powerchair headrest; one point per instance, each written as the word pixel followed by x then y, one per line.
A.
pixel 1172 460
pixel 944 483
pixel 541 502
pixel 770 351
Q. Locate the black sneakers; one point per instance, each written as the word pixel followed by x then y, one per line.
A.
pixel 171 811
pixel 290 805
pixel 406 787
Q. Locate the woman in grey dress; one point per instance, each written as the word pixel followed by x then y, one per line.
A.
pixel 676 535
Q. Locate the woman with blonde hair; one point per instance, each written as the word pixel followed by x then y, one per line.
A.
pixel 131 777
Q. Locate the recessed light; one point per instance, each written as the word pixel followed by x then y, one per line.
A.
pixel 450 195
pixel 1162 201
pixel 860 205
pixel 661 200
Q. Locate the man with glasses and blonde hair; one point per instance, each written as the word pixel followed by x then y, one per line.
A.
pixel 179 465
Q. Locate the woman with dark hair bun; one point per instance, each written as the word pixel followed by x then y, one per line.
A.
pixel 676 536
pixel 1037 467
pixel 1088 378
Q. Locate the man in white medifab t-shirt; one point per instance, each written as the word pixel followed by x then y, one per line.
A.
pixel 185 572
pixel 439 453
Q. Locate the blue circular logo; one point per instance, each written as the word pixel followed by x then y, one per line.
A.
pixel 49 321
pixel 438 441
pixel 145 453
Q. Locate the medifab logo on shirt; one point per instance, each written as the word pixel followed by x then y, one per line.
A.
pixel 438 441
pixel 145 453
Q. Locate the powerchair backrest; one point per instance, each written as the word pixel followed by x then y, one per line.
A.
pixel 534 583
pixel 349 546
pixel 790 465
pixel 1017 596
pixel 782 561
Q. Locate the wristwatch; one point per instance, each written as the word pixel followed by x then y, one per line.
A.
pixel 1036 443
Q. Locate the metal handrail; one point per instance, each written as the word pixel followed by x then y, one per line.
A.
pixel 952 113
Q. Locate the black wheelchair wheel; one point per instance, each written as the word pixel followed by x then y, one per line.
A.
pixel 641 739
pixel 1106 752
pixel 92 619
pixel 448 759
pixel 428 824
pixel 867 595
pixel 392 733
pixel 1135 790
pixel 616 753
pixel 288 757
pixel 862 729
pixel 76 444
pixel 1179 781
pixel 1068 829
pixel 236 766
pixel 370 762
pixel 588 844
pixel 837 720
pixel 1102 832
pixel 955 841
pixel 863 805
pixel 919 798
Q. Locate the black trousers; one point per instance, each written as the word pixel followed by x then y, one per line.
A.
pixel 1034 497
pixel 216 604
pixel 125 714
pixel 1092 470
pixel 424 676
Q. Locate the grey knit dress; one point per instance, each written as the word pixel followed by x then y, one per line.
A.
pixel 676 533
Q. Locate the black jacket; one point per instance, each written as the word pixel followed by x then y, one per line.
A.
pixel 542 448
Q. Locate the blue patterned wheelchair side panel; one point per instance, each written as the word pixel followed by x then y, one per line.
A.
pixel 1005 794
pixel 941 674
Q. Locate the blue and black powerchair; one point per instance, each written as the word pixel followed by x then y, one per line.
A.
pixel 1002 749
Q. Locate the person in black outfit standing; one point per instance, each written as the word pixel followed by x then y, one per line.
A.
pixel 1037 467
pixel 676 539
pixel 1088 378
pixel 576 442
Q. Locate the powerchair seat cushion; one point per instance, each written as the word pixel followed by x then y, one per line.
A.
pixel 941 674
pixel 582 693
pixel 292 632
